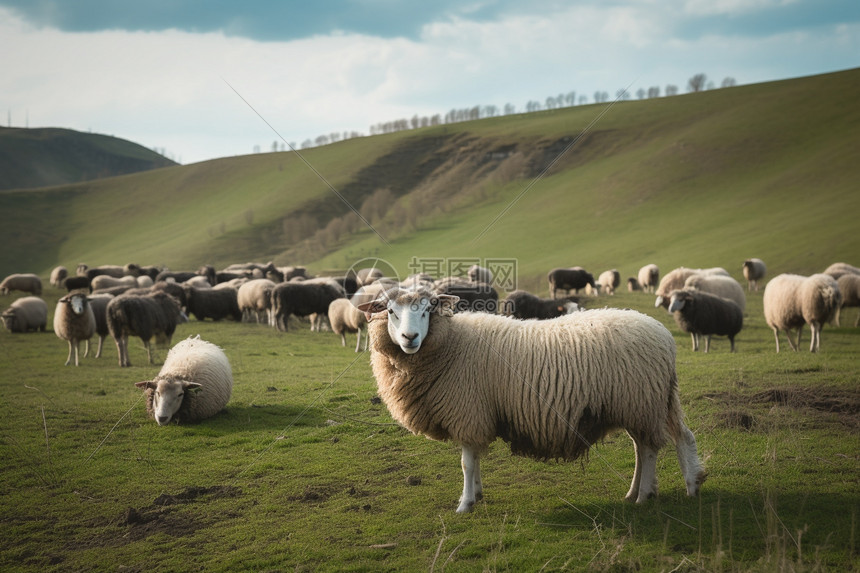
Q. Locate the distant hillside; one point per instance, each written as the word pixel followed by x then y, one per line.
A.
pixel 45 157
pixel 704 179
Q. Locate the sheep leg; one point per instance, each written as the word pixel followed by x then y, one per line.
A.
pixel 472 487
pixel 69 357
pixel 816 337
pixel 707 343
pixel 695 338
pixel 776 336
pixel 357 340
pixel 691 467
pixel 101 343
pixel 87 348
pixel 148 347
pixel 633 492
pixel 343 338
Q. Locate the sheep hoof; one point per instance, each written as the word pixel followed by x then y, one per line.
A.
pixel 465 507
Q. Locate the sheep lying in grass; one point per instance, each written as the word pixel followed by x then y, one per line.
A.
pixel 24 282
pixel 754 271
pixel 74 321
pixel 790 301
pixel 26 314
pixel 194 383
pixel 700 313
pixel 849 287
pixel 549 388
pixel 649 277
pixel 345 317
pixel 156 314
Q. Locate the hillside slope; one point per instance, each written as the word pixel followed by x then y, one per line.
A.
pixel 704 179
pixel 31 158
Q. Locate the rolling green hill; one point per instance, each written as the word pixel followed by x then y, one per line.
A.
pixel 45 157
pixel 706 179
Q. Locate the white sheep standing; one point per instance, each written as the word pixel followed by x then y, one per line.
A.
pixel 849 287
pixel 754 271
pixel 345 317
pixel 58 275
pixel 675 279
pixel 255 299
pixel 790 301
pixel 75 322
pixel 24 282
pixel 649 277
pixel 194 383
pixel 719 285
pixel 550 388
pixel 608 281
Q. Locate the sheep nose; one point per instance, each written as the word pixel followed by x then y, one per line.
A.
pixel 410 336
pixel 162 420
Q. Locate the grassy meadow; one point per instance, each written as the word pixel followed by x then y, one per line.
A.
pixel 306 471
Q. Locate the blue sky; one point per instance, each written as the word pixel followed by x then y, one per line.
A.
pixel 156 72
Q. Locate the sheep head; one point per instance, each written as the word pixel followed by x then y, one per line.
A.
pixel 166 395
pixel 678 299
pixel 77 302
pixel 408 314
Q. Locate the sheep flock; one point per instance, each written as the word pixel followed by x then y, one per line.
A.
pixel 565 342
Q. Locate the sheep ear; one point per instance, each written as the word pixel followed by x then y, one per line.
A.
pixel 445 304
pixel 146 384
pixel 192 386
pixel 371 307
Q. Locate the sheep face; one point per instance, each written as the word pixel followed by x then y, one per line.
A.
pixel 409 314
pixel 77 302
pixel 678 300
pixel 167 396
pixel 9 319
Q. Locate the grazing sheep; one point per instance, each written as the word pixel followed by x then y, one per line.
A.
pixel 719 285
pixel 58 275
pixel 171 288
pixel 194 383
pixel 633 285
pixel 549 388
pixel 302 299
pixel 345 317
pixel 26 314
pixel 255 298
pixel 474 297
pixel 754 271
pixel 101 282
pixel 836 270
pixel 24 282
pixel 156 314
pixel 849 287
pixel 212 303
pixel 675 280
pixel 573 278
pixel 790 301
pixel 74 321
pixel 700 313
pixel 524 305
pixel 77 283
pixel 479 274
pixel 99 302
pixel 648 277
pixel 608 281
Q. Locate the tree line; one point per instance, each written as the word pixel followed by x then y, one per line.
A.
pixel 698 82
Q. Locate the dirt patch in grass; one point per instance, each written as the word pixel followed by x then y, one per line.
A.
pixel 163 515
pixel 822 405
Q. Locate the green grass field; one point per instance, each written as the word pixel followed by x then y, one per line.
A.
pixel 305 471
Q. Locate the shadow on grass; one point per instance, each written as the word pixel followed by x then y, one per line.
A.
pixel 749 527
pixel 265 417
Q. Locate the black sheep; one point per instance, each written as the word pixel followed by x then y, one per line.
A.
pixel 703 314
pixel 214 303
pixel 156 314
pixel 574 278
pixel 302 299
pixel 524 305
